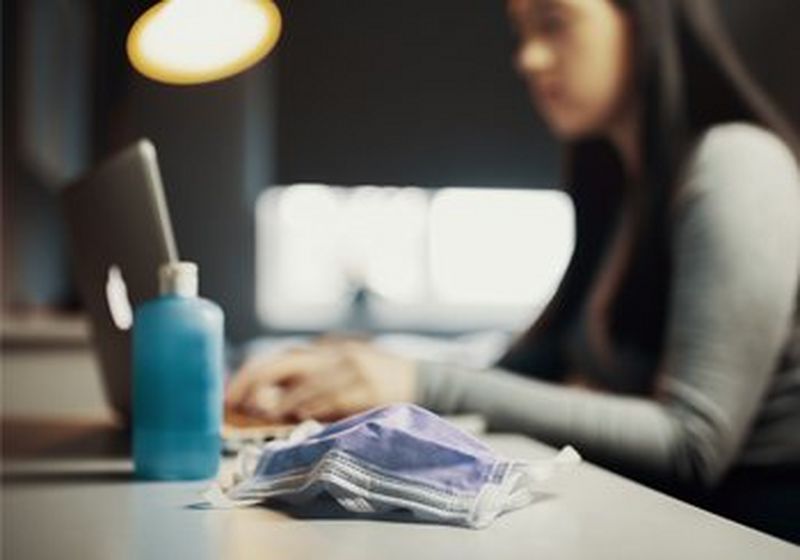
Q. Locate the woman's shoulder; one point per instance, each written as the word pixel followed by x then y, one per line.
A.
pixel 740 157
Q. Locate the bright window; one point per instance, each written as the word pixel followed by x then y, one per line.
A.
pixel 451 259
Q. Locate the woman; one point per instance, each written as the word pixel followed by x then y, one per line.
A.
pixel 671 351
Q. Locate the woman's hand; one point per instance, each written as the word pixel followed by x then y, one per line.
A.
pixel 325 381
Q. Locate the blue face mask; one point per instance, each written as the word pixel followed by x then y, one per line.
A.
pixel 394 457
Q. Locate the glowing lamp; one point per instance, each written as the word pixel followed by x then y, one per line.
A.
pixel 196 41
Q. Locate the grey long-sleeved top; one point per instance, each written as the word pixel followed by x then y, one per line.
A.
pixel 729 367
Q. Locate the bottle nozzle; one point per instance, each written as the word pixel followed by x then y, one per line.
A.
pixel 178 278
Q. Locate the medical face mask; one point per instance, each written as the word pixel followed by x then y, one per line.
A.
pixel 398 457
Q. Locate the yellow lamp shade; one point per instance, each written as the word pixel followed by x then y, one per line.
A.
pixel 196 41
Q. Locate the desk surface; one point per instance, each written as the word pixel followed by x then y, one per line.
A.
pixel 93 509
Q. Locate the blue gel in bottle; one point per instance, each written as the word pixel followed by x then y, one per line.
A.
pixel 177 380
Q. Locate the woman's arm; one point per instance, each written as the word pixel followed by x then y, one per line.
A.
pixel 736 262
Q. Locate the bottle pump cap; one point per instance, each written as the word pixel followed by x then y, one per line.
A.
pixel 178 278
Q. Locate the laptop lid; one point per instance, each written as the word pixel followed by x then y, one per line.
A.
pixel 119 233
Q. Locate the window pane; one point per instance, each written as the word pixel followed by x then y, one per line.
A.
pixel 455 258
pixel 498 246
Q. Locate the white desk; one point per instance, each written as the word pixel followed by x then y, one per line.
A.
pixel 91 509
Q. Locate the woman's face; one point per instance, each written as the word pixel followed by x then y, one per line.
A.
pixel 575 56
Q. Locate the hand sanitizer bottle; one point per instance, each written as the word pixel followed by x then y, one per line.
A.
pixel 177 380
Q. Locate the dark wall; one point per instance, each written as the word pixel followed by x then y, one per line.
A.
pixel 767 38
pixel 422 91
pixel 416 91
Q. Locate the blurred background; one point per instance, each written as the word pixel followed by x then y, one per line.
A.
pixel 362 176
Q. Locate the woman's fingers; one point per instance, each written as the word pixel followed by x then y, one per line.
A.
pixel 326 381
pixel 317 387
pixel 311 388
pixel 262 401
pixel 321 408
pixel 275 371
pixel 330 406
pixel 338 402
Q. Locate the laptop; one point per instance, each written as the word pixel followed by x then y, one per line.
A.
pixel 119 233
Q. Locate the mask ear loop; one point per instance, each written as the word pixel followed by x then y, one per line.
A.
pixel 525 477
pixel 247 461
pixel 216 495
pixel 542 469
pixel 518 486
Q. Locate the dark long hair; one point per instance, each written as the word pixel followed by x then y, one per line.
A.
pixel 689 78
